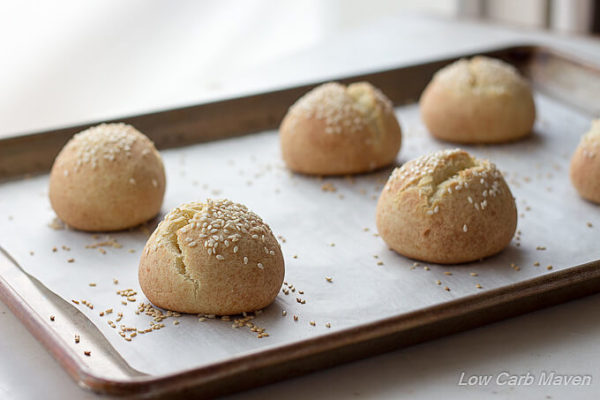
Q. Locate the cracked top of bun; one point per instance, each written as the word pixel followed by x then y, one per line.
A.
pixel 215 227
pixel 481 74
pixel 437 175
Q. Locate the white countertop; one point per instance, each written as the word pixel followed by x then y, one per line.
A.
pixel 45 84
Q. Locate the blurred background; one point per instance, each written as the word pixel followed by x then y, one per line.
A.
pixel 72 61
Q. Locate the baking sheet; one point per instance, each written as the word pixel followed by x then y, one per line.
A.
pixel 328 224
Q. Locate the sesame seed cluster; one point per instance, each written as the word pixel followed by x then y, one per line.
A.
pixel 217 226
pixel 481 74
pixel 338 107
pixel 103 142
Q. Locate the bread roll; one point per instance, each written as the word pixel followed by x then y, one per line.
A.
pixel 334 129
pixel 585 165
pixel 212 258
pixel 481 100
pixel 106 178
pixel 446 207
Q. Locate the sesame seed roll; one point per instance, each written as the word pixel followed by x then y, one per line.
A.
pixel 446 207
pixel 336 129
pixel 215 257
pixel 108 177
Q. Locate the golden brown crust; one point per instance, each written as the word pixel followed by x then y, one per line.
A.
pixel 585 165
pixel 106 178
pixel 334 130
pixel 481 100
pixel 446 207
pixel 212 258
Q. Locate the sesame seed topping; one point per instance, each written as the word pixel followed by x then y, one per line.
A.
pixel 104 142
pixel 215 226
pixel 338 106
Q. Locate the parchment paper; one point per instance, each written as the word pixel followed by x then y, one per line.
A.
pixel 332 233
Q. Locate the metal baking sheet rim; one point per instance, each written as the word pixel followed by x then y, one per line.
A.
pixel 350 344
pixel 309 355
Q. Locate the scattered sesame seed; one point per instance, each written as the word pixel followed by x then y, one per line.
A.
pixel 71 260
pixel 379 262
pixel 540 248
pixel 473 274
pixel 446 288
pixel 478 286
pixel 295 318
pixel 465 228
pixel 313 323
pixel 328 187
pixel 589 225
pixel 75 301
pixel 438 282
pixel 549 267
pixel 92 284
pixel 329 279
pixel 87 353
pixel 447 273
pixel 52 318
pixel 284 313
pixel 536 264
pixel 328 325
pixel 77 339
